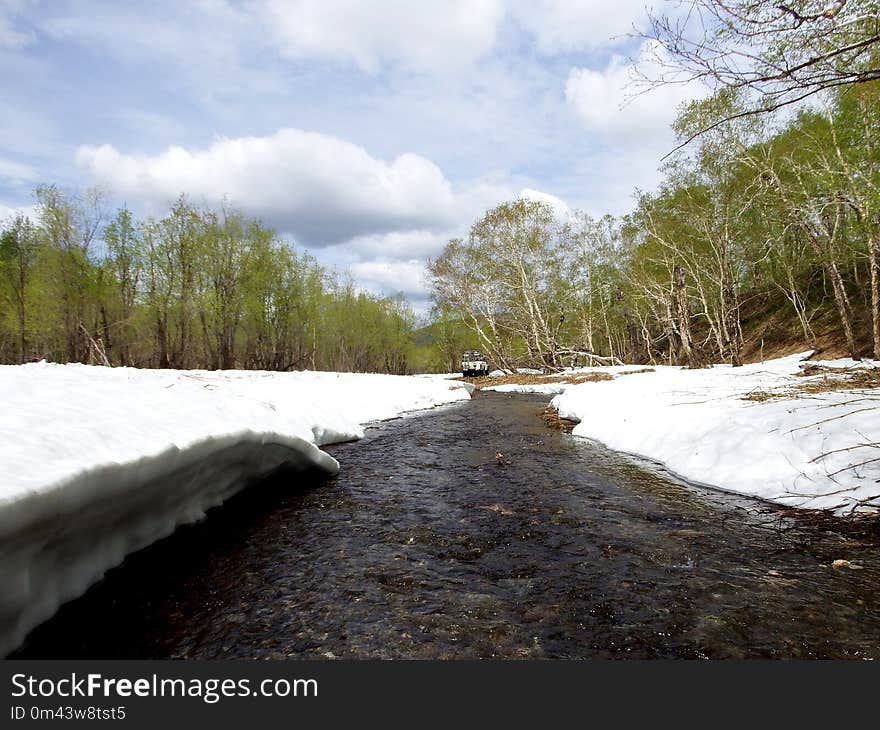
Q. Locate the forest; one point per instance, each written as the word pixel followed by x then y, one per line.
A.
pixel 764 231
pixel 764 228
pixel 755 222
pixel 764 234
pixel 195 289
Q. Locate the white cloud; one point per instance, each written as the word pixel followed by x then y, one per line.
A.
pixel 207 36
pixel 322 189
pixel 630 125
pixel 437 36
pixel 250 67
pixel 560 208
pixel 391 277
pixel 611 102
pixel 8 212
pixel 395 262
pixel 420 36
pixel 17 172
pixel 318 187
pixel 561 26
pixel 210 50
pixel 399 245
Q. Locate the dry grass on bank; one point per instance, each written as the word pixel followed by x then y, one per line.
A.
pixel 529 379
pixel 551 419
pixel 834 379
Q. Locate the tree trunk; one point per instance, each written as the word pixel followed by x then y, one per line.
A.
pixel 730 324
pixel 874 263
pixel 636 351
pixel 840 297
pixel 22 338
pixel 688 353
pixel 162 337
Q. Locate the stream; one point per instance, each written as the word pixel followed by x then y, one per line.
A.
pixel 428 546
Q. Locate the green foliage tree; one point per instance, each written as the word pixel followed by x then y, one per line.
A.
pixel 197 288
pixel 749 214
pixel 18 257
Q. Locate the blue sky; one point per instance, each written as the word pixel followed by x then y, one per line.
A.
pixel 366 132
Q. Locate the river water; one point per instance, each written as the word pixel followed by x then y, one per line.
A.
pixel 427 545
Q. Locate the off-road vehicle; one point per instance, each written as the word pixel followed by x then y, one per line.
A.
pixel 473 364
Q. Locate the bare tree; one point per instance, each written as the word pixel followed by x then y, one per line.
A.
pixel 460 284
pixel 689 352
pixel 774 52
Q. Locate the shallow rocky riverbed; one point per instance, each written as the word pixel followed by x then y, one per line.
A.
pixel 429 545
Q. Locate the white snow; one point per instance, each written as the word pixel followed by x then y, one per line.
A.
pixel 847 363
pixel 801 449
pixel 98 462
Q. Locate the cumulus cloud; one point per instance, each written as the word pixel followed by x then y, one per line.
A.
pixel 395 262
pixel 610 101
pixel 17 172
pixel 370 73
pixel 392 277
pixel 421 36
pixel 560 208
pixel 8 212
pixel 630 125
pixel 399 245
pixel 563 26
pixel 322 189
pixel 318 187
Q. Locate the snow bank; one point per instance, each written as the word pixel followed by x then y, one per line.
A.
pixel 99 462
pixel 795 448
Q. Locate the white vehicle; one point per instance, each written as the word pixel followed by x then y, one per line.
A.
pixel 473 363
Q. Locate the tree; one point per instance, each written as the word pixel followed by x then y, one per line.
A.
pixel 18 256
pixel 69 224
pixel 775 52
pixel 516 241
pixel 461 283
pixel 225 265
pixel 854 161
pixel 450 337
pixel 786 171
pixel 124 263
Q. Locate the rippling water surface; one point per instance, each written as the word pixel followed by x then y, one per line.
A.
pixel 426 546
